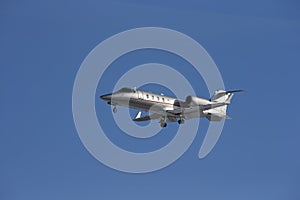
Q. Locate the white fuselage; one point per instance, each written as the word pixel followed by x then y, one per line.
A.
pixel 142 100
pixel 168 108
pixel 151 102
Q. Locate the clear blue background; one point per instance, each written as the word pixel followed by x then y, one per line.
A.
pixel 256 46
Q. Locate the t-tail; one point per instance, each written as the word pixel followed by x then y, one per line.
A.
pixel 223 98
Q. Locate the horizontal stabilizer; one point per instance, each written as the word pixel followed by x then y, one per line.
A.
pixel 216 116
pixel 233 91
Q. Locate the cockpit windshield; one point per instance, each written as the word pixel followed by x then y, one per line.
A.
pixel 126 90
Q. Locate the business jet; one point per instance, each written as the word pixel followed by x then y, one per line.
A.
pixel 169 109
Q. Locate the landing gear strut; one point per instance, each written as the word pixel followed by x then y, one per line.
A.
pixel 115 109
pixel 163 123
pixel 181 121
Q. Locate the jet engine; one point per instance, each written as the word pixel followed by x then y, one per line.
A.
pixel 196 101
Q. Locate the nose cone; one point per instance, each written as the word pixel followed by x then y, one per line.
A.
pixel 106 97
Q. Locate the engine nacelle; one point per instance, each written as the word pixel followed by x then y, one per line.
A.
pixel 196 101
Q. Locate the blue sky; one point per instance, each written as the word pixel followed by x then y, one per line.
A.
pixel 256 47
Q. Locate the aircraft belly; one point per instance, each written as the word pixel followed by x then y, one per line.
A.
pixel 195 114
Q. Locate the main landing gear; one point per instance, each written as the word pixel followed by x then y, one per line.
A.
pixel 181 121
pixel 163 124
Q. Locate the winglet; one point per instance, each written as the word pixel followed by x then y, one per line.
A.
pixel 138 115
pixel 234 91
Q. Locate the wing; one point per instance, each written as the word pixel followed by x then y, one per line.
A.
pixel 138 118
pixel 191 109
pixel 159 111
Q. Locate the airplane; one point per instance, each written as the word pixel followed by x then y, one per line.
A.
pixel 169 109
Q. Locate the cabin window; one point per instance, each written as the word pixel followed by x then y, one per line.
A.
pixel 147 95
pixel 163 99
pixel 153 97
pixel 157 98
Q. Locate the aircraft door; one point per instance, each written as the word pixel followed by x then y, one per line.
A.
pixel 141 94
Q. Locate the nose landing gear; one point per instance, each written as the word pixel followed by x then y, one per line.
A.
pixel 115 109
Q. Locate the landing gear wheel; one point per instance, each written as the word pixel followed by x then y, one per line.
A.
pixel 163 124
pixel 181 121
pixel 114 109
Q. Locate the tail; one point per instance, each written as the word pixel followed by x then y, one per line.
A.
pixel 220 96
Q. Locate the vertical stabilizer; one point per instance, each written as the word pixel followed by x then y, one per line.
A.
pixel 219 97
